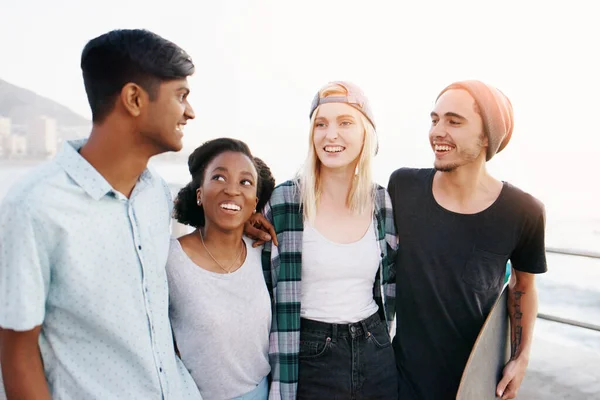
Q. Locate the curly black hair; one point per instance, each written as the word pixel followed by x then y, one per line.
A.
pixel 186 210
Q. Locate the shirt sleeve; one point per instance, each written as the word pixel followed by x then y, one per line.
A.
pixel 24 267
pixel 266 252
pixel 530 253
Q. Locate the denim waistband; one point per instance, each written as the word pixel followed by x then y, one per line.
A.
pixel 341 330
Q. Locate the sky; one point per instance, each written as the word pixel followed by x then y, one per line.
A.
pixel 259 63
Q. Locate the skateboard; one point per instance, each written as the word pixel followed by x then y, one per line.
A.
pixel 489 355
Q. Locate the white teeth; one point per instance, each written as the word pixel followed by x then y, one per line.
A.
pixel 180 127
pixel 231 206
pixel 438 147
pixel 334 149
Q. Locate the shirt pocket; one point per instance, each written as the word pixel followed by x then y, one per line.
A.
pixel 484 270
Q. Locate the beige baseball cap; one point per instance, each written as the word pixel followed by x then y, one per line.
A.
pixel 355 98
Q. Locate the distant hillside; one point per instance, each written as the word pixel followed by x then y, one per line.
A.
pixel 22 105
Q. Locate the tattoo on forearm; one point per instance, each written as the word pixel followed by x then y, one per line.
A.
pixel 517 328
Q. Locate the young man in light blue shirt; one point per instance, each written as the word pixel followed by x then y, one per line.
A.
pixel 84 239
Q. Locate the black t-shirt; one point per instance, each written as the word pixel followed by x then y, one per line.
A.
pixel 450 271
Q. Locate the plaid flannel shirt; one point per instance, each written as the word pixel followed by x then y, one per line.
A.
pixel 282 267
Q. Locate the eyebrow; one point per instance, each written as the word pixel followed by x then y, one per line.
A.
pixel 448 114
pixel 184 88
pixel 223 169
pixel 248 173
pixel 338 117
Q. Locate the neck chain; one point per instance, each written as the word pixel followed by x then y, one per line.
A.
pixel 228 271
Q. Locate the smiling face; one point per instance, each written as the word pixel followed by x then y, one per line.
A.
pixel 456 135
pixel 228 191
pixel 338 135
pixel 163 120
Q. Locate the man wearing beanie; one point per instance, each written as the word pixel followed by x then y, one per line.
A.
pixel 458 227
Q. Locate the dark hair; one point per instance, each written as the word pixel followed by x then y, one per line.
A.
pixel 186 209
pixel 118 57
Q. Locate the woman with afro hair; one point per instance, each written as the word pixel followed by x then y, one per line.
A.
pixel 219 304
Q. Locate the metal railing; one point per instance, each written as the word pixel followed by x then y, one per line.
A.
pixel 567 321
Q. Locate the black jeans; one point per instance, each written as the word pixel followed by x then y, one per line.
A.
pixel 346 361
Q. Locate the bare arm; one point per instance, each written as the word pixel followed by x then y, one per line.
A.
pixel 22 367
pixel 522 309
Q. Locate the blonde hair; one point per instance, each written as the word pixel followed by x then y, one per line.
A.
pixel 362 189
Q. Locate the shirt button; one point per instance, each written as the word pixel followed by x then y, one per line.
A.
pixel 160 369
pixel 139 247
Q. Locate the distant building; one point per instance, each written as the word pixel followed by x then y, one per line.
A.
pixel 5 125
pixel 42 138
pixel 14 146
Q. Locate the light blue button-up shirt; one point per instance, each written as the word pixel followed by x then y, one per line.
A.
pixel 88 264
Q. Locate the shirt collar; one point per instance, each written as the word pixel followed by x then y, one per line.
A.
pixel 84 174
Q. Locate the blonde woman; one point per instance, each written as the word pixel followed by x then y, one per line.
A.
pixel 331 276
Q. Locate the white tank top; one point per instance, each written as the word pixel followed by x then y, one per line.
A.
pixel 337 279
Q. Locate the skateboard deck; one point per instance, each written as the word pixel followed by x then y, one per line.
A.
pixel 489 355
